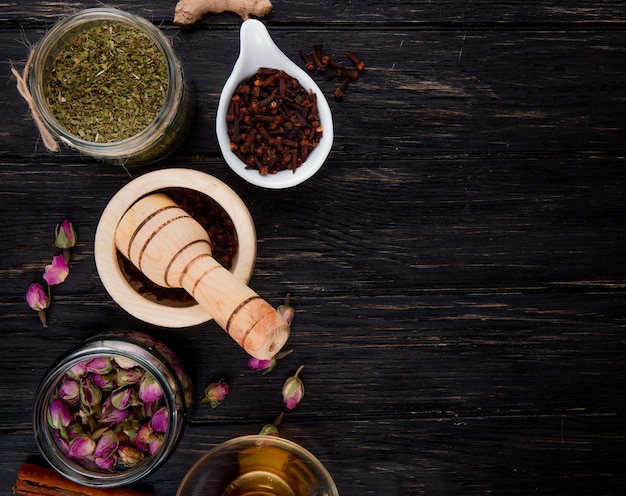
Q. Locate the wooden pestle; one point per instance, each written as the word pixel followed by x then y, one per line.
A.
pixel 173 250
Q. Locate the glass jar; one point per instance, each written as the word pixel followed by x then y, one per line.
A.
pixel 160 137
pixel 112 410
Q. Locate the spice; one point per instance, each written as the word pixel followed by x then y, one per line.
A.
pixel 320 62
pixel 108 83
pixel 39 481
pixel 218 225
pixel 273 122
pixel 191 11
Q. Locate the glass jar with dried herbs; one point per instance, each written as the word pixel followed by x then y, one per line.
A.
pixel 109 84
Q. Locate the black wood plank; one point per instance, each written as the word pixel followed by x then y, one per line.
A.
pixel 424 94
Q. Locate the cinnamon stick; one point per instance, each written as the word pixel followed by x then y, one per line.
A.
pixel 39 481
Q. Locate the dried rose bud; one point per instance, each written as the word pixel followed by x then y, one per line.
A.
pixel 259 364
pixel 124 363
pixel 107 444
pixel 272 429
pixel 286 310
pixel 129 455
pixel 59 415
pixel 160 420
pixel 38 300
pixel 127 377
pixel 142 437
pixel 110 415
pixel 77 371
pixel 65 235
pixel 114 416
pixel 120 398
pixel 109 463
pixel 99 365
pixel 90 394
pixel 105 382
pixel 155 443
pixel 215 393
pixel 267 365
pixel 149 389
pixel 65 238
pixel 82 446
pixel 57 271
pixel 69 391
pixel 293 390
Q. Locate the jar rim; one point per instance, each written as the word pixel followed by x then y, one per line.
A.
pixel 78 22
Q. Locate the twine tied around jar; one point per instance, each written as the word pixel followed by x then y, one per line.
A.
pixel 22 86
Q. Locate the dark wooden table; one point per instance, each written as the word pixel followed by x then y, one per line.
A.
pixel 458 265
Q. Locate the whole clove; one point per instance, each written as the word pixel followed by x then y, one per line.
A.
pixel 320 63
pixel 273 122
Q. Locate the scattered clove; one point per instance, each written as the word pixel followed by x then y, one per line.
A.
pixel 320 63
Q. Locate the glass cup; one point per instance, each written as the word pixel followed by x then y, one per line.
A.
pixel 258 466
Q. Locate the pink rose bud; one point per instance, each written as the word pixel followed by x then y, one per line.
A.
pixel 36 297
pixel 38 300
pixel 104 381
pixel 82 446
pixel 272 429
pixel 259 364
pixel 107 444
pixel 286 310
pixel 108 463
pixel 114 416
pixel 65 235
pixel 99 365
pixel 69 391
pixel 59 415
pixel 160 420
pixel 129 455
pixel 90 394
pixel 77 371
pixel 120 398
pixel 57 271
pixel 293 390
pixel 126 377
pixel 149 389
pixel 125 363
pixel 215 393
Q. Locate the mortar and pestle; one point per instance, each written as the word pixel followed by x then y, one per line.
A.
pixel 173 250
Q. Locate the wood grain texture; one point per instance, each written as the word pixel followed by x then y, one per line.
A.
pixel 457 266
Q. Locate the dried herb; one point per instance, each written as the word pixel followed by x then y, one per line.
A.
pixel 273 122
pixel 108 83
pixel 217 224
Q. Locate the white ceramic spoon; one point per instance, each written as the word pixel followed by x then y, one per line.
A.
pixel 259 50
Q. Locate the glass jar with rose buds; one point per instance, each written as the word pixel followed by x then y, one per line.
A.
pixel 112 410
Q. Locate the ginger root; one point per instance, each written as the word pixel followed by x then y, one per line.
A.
pixel 190 11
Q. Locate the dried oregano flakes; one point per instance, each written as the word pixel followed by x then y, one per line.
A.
pixel 108 83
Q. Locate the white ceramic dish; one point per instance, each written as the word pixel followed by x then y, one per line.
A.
pixel 259 50
pixel 163 312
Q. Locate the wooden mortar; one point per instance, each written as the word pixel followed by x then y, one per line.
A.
pixel 173 250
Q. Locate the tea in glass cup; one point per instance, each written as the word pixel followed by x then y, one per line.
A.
pixel 258 466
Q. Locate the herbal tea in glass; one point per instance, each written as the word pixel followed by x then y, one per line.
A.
pixel 258 466
pixel 270 471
